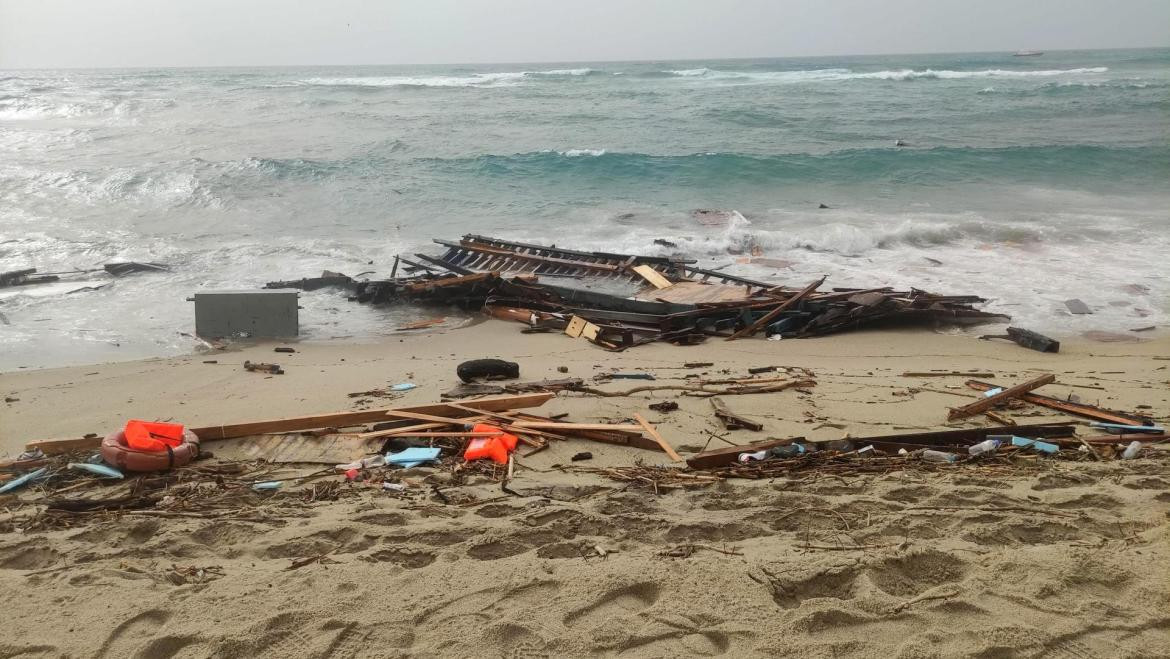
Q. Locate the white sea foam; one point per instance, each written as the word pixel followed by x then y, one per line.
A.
pixel 31 107
pixel 564 72
pixel 692 73
pixel 1046 258
pixel 838 75
pixel 576 153
pixel 503 79
pixel 158 190
pixel 911 74
pixel 495 79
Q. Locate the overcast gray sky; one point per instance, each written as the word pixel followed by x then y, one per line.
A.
pixel 155 33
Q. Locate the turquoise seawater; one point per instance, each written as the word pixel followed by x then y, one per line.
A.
pixel 1031 179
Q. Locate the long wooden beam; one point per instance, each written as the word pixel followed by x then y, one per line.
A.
pixel 1069 407
pixel 654 434
pixel 984 404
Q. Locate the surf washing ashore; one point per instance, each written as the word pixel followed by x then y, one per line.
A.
pixel 1018 177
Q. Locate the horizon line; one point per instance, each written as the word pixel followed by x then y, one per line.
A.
pixel 549 62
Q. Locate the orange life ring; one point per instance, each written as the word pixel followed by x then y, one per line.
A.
pixel 118 453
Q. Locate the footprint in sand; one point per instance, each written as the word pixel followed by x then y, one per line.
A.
pixel 128 638
pixel 404 557
pixel 621 603
pixel 837 583
pixel 32 555
pixel 490 551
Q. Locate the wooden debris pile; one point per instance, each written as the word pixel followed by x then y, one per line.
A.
pixel 251 490
pixel 653 298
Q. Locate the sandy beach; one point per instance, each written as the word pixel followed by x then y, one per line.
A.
pixel 1049 559
pixel 822 330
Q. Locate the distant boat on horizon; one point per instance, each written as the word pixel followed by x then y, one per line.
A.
pixel 1027 53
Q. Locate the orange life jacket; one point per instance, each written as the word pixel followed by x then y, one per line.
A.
pixel 496 448
pixel 153 436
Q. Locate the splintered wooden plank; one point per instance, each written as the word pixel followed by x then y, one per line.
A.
pixel 693 292
pixel 590 331
pixel 1068 407
pixel 58 446
pixel 733 421
pixel 726 455
pixel 421 324
pixel 651 275
pixel 653 432
pixel 771 315
pixel 418 416
pixel 576 326
pixel 981 406
pixel 557 425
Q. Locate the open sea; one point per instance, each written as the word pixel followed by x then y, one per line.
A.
pixel 1028 180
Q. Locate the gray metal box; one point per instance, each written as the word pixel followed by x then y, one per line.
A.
pixel 270 313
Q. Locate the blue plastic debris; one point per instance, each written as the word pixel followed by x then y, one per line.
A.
pixel 21 481
pixel 268 485
pixel 413 457
pixel 403 386
pixel 100 470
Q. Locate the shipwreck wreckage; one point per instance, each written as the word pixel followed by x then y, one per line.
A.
pixel 620 300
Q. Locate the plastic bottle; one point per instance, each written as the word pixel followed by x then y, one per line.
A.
pixel 364 463
pixel 939 456
pixel 748 457
pixel 1132 450
pixel 986 446
pixel 787 451
pixel 865 451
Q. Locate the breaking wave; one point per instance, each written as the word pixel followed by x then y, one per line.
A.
pixel 577 153
pixel 496 79
pixel 474 80
pixel 838 74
